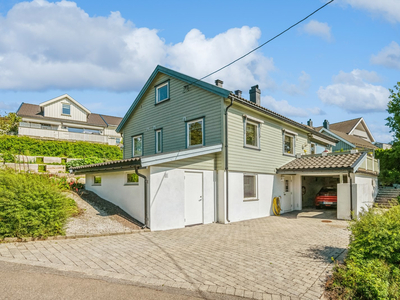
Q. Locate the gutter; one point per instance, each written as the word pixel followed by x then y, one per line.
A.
pixel 226 160
pixel 146 220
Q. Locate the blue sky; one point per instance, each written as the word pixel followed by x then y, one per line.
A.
pixel 337 65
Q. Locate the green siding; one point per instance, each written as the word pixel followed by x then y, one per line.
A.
pixel 169 116
pixel 270 156
pixel 340 145
pixel 203 162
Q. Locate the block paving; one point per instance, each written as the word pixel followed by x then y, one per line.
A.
pixel 285 257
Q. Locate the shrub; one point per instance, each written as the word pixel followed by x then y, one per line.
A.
pixel 35 147
pixel 84 162
pixel 32 205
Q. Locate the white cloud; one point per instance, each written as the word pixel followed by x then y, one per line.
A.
pixel 388 56
pixel 8 106
pixel 381 133
pixel 322 30
pixel 355 93
pixel 284 108
pixel 301 88
pixel 388 9
pixel 58 45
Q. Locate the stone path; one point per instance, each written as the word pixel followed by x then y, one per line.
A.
pixel 284 257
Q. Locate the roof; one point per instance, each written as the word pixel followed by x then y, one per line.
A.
pixel 69 98
pixel 331 162
pixel 280 117
pixel 115 164
pixel 35 111
pixel 355 140
pixel 190 80
pixel 345 126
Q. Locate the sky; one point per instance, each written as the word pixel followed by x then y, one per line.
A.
pixel 337 65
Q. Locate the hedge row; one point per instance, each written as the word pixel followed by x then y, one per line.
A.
pixel 29 146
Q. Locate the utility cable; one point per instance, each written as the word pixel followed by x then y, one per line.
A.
pixel 262 45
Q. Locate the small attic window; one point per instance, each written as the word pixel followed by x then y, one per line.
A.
pixel 66 109
pixel 162 92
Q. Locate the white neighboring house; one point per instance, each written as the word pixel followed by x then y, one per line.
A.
pixel 64 118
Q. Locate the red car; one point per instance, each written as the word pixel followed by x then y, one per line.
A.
pixel 327 196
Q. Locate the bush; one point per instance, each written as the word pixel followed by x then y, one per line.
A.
pixel 372 267
pixel 84 162
pixel 31 205
pixel 26 145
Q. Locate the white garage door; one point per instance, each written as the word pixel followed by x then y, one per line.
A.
pixel 193 198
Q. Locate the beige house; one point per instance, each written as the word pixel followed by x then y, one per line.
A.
pixel 64 118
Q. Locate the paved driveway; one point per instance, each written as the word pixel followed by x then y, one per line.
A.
pixel 284 257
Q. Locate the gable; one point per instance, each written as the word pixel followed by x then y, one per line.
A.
pixel 190 82
pixel 53 109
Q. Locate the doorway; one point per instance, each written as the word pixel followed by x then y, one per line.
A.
pixel 193 198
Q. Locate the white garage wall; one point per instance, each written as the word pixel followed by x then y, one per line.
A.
pixel 372 186
pixel 167 197
pixel 244 210
pixel 114 189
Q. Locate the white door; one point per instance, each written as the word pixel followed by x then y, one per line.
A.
pixel 193 198
pixel 287 203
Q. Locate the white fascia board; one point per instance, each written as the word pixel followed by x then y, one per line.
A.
pixel 338 137
pixel 290 132
pixel 163 158
pixel 322 140
pixel 366 127
pixel 357 166
pixel 253 119
pixel 63 97
pixel 41 121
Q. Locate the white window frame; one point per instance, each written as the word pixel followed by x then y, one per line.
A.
pixel 133 145
pixel 293 136
pixel 202 133
pixel 315 148
pixel 248 120
pixel 62 109
pixel 161 86
pixel 96 183
pixel 158 142
pixel 256 181
pixel 130 183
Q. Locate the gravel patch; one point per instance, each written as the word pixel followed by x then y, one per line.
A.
pixel 98 216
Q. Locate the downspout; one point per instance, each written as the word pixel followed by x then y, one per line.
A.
pixel 146 220
pixel 351 195
pixel 226 160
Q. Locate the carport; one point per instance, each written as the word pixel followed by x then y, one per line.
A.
pixel 353 173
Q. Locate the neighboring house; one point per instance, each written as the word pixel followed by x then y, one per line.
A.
pixel 196 153
pixel 383 146
pixel 64 118
pixel 351 134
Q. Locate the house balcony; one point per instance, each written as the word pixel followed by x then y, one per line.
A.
pixel 52 134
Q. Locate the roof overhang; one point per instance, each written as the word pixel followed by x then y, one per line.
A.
pixel 320 140
pixel 371 137
pixel 125 164
pixel 174 156
pixel 337 137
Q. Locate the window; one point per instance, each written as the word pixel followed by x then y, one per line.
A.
pixel 132 178
pixel 250 187
pixel 137 143
pixel 288 144
pixel 162 92
pixel 96 180
pixel 312 148
pixel 195 133
pixel 118 140
pixel 66 109
pixel 159 141
pixel 251 134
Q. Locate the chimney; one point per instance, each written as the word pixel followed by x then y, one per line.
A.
pixel 238 93
pixel 310 123
pixel 255 95
pixel 326 124
pixel 219 83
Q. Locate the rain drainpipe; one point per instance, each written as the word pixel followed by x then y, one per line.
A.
pixel 146 220
pixel 351 195
pixel 226 160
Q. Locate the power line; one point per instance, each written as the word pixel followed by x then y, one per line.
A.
pixel 243 56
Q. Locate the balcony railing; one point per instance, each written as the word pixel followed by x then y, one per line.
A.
pixel 62 135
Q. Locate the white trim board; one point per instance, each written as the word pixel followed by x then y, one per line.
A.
pixel 163 158
pixel 63 97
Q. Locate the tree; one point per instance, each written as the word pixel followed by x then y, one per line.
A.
pixel 9 123
pixel 393 121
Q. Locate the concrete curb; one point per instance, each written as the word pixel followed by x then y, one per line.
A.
pixel 65 237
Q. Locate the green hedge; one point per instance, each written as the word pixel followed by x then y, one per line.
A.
pixel 32 205
pixel 29 146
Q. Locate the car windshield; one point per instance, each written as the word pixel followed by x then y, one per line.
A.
pixel 328 190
